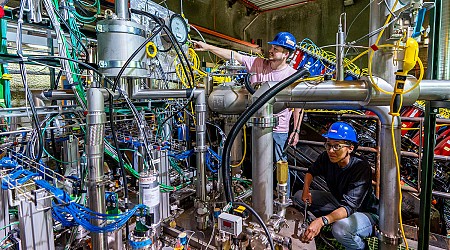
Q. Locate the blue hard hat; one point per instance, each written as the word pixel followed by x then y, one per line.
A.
pixel 342 131
pixel 285 40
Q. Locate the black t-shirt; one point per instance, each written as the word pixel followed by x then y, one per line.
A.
pixel 351 185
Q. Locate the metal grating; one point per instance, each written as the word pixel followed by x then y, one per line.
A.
pixel 268 5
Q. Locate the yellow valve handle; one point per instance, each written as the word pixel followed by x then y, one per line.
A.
pixel 151 49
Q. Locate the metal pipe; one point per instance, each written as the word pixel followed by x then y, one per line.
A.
pixel 161 93
pixel 262 156
pixel 388 223
pixel 121 7
pixel 165 180
pixel 434 90
pixel 340 43
pixel 200 146
pixel 382 66
pixel 236 148
pixel 244 35
pixel 262 162
pixel 96 119
pixel 347 91
pixel 200 115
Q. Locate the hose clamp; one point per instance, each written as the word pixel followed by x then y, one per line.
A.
pixel 263 122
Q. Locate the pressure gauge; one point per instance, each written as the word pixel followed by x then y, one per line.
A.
pixel 179 28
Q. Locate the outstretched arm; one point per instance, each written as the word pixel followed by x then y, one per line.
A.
pixel 220 52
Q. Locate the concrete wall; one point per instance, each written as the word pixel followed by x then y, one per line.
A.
pixel 316 20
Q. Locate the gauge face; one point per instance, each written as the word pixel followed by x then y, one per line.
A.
pixel 179 28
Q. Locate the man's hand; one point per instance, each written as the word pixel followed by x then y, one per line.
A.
pixel 312 231
pixel 201 46
pixel 293 139
pixel 306 197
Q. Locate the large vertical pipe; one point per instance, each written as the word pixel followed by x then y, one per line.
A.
pixel 121 7
pixel 389 195
pixel 200 146
pixel 96 119
pixel 262 162
pixel 382 65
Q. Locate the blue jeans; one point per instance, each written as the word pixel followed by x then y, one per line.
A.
pixel 279 143
pixel 349 231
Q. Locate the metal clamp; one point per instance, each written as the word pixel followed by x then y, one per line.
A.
pixel 263 122
pixel 119 64
pixel 390 240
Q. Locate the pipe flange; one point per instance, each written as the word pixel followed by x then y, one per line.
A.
pixel 390 240
pixel 263 122
pixel 201 149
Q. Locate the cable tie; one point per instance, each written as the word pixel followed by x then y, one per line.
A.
pixel 374 47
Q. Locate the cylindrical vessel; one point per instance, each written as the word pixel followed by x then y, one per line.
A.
pixel 95 150
pixel 117 40
pixel 149 194
pixel 228 99
pixel 262 162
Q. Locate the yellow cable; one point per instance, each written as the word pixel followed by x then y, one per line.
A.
pixel 420 76
pixel 397 164
pixel 245 149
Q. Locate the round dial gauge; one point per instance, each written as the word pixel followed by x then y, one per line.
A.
pixel 179 28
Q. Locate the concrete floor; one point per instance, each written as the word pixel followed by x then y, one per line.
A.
pixel 293 214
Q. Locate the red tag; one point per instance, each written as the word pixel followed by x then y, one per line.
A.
pixel 374 47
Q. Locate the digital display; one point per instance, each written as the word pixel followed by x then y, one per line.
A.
pixel 226 223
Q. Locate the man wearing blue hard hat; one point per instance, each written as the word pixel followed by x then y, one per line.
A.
pixel 351 205
pixel 274 68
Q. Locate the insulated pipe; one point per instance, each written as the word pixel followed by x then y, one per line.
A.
pixel 96 119
pixel 200 115
pixel 49 95
pixel 348 91
pixel 434 90
pixel 262 158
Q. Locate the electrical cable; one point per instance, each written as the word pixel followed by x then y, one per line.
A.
pixel 258 218
pixel 119 155
pixel 245 147
pixel 23 74
pixel 61 19
pixel 248 84
pixel 263 99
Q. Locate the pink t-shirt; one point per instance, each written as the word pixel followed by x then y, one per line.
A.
pixel 264 73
